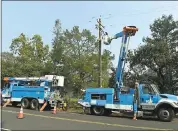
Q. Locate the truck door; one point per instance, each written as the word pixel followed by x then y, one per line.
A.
pixel 6 90
pixel 148 98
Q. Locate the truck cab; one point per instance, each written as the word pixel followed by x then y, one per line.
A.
pixel 151 102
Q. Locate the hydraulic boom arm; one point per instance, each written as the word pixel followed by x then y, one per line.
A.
pixel 127 32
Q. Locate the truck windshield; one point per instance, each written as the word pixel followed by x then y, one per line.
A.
pixel 155 88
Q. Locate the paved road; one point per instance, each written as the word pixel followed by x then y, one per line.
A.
pixel 35 120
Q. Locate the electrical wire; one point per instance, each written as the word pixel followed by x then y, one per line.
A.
pixel 138 13
pixel 110 16
pixel 141 13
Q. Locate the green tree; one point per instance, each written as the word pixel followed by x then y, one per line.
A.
pixel 112 79
pixel 158 55
pixel 8 63
pixel 31 54
pixel 77 51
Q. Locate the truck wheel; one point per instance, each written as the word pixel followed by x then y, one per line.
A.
pixel 14 104
pixel 98 110
pixel 25 103
pixel 166 115
pixel 34 104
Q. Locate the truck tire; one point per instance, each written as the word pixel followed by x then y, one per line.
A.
pixel 25 103
pixel 166 115
pixel 99 111
pixel 34 104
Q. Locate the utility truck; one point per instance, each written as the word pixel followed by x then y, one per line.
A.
pixel 33 92
pixel 103 101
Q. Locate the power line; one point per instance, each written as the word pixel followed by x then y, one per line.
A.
pixel 101 29
pixel 140 13
pixel 109 16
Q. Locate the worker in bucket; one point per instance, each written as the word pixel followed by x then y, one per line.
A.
pixel 135 100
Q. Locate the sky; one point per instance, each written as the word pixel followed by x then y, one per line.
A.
pixel 32 17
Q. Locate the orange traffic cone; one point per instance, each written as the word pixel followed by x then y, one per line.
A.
pixel 54 111
pixel 42 108
pixel 20 114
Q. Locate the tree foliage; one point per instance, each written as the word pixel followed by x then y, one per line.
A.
pixel 27 57
pixel 156 60
pixel 77 51
pixel 74 54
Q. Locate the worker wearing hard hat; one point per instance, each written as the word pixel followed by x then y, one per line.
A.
pixel 135 100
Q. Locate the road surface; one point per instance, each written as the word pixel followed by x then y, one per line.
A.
pixel 35 120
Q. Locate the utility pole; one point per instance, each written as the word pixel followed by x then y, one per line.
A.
pixel 99 52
